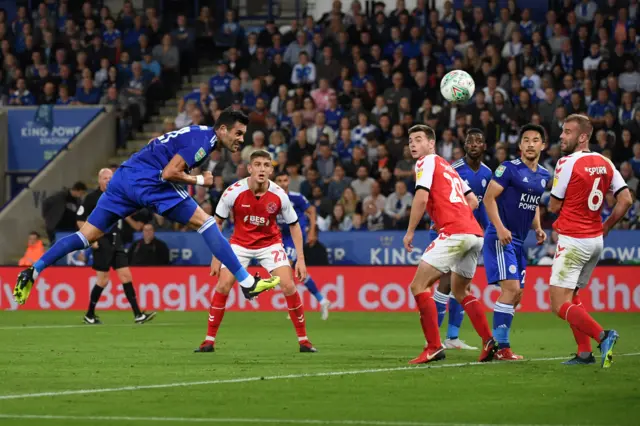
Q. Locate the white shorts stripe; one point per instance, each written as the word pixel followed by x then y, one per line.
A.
pixel 500 260
pixel 208 224
pixel 179 190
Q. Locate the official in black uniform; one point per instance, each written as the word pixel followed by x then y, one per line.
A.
pixel 108 252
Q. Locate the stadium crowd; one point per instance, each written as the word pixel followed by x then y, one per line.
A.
pixel 332 99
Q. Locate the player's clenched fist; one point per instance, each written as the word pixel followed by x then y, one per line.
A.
pixel 208 178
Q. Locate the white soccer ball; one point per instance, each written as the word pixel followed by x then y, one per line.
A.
pixel 457 86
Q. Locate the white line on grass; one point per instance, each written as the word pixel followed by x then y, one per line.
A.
pixel 282 377
pixel 238 420
pixel 44 327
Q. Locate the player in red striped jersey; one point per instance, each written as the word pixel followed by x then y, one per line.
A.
pixel 582 178
pixel 255 203
pixel 450 204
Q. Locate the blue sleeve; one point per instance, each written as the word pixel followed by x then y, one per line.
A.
pixel 502 175
pixel 193 146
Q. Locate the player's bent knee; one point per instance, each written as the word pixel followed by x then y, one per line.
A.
pixel 511 291
pixel 225 283
pixel 91 232
pixel 558 296
pixel 198 218
pixel 287 283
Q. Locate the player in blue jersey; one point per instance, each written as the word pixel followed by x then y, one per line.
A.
pixel 477 175
pixel 152 178
pixel 305 212
pixel 512 201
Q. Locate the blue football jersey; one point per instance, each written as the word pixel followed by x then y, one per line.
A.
pixel 478 182
pixel 193 143
pixel 517 204
pixel 220 83
pixel 300 205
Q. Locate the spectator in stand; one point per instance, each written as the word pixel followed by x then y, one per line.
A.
pixel 59 210
pixel 627 174
pixel 149 251
pixel 338 183
pixel 363 185
pixel 21 96
pixel 304 72
pixel 398 207
pixel 88 94
pixel 258 143
pixel 185 39
pixel 35 250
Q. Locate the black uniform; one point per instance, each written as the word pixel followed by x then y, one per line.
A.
pixel 110 252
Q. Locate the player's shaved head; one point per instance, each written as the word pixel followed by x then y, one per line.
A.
pixel 584 123
pixel 576 133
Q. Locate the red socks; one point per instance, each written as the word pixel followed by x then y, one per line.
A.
pixel 578 317
pixel 216 313
pixel 583 341
pixel 474 311
pixel 429 319
pixel 296 313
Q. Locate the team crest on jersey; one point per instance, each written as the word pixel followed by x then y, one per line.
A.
pixel 200 154
pixel 500 171
pixel 484 183
pixel 272 208
pixel 512 269
pixel 543 182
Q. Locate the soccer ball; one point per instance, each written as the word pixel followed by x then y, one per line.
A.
pixel 457 86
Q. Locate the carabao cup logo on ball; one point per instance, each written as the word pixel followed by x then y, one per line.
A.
pixel 457 86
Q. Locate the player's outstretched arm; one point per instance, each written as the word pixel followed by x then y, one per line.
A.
pixel 175 172
pixel 418 207
pixel 493 191
pixel 296 236
pixel 623 202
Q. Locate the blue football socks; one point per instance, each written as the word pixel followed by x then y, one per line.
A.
pixel 502 318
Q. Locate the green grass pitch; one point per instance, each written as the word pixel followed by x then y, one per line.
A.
pixel 52 352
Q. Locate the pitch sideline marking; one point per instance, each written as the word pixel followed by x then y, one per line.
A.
pixel 44 327
pixel 282 377
pixel 239 420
